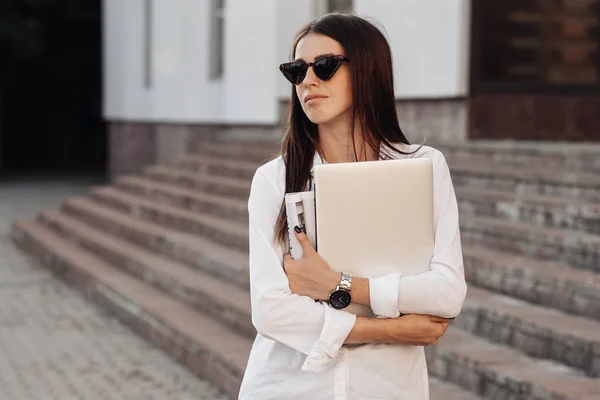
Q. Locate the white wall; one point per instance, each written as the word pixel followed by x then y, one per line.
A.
pixel 123 92
pixel 429 41
pixel 292 14
pixel 181 89
pixel 251 62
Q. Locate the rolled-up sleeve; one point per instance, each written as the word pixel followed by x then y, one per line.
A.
pixel 314 329
pixel 384 295
pixel 441 291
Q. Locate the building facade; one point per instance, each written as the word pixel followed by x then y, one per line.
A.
pixel 180 72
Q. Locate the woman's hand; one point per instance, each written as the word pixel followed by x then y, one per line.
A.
pixel 310 275
pixel 417 329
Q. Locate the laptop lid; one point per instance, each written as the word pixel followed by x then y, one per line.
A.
pixel 375 217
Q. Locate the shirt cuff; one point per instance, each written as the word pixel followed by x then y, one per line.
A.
pixel 384 295
pixel 324 353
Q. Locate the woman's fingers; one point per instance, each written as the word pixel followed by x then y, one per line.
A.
pixel 287 257
pixel 303 240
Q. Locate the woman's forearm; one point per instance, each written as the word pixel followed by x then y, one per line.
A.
pixel 367 330
pixel 360 291
pixel 411 329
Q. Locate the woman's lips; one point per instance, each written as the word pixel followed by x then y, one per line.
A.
pixel 315 99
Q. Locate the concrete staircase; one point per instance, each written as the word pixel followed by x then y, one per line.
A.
pixel 164 249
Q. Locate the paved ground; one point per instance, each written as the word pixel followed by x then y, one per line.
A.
pixel 54 344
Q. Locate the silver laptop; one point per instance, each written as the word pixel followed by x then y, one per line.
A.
pixel 375 217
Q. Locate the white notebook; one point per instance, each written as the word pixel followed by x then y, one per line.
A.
pixel 374 218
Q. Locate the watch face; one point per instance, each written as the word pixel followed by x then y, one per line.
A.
pixel 340 299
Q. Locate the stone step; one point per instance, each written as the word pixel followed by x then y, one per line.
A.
pixel 200 253
pixel 583 361
pixel 487 315
pixel 169 194
pixel 487 175
pixel 569 156
pixel 573 294
pixel 530 180
pixel 561 287
pixel 197 341
pixel 206 292
pixel 559 158
pixel 200 343
pixel 496 371
pixel 449 331
pixel 210 165
pixel 546 283
pixel 523 153
pixel 214 297
pixel 536 331
pixel 440 390
pixel 542 210
pixel 547 210
pixel 217 229
pixel 576 248
pixel 231 187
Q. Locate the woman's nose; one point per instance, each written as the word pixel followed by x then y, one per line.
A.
pixel 310 79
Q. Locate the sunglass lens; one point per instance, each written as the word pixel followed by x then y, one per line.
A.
pixel 326 67
pixel 294 71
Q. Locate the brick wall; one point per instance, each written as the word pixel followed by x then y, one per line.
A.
pixel 137 144
pixel 534 117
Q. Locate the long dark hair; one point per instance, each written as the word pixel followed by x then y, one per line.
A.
pixel 373 102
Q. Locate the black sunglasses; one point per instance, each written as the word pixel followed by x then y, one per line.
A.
pixel 324 67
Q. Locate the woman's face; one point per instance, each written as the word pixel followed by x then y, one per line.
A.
pixel 335 95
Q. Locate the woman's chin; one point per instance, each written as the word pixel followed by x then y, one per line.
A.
pixel 325 117
pixel 318 119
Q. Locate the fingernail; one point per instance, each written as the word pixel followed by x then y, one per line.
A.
pixel 297 229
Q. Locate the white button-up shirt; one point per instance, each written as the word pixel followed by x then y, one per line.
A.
pixel 298 353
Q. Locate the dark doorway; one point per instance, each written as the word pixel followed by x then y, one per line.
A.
pixel 535 70
pixel 51 87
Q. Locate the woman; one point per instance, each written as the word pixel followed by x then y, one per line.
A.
pixel 342 110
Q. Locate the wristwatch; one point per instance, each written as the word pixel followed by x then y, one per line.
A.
pixel 340 297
